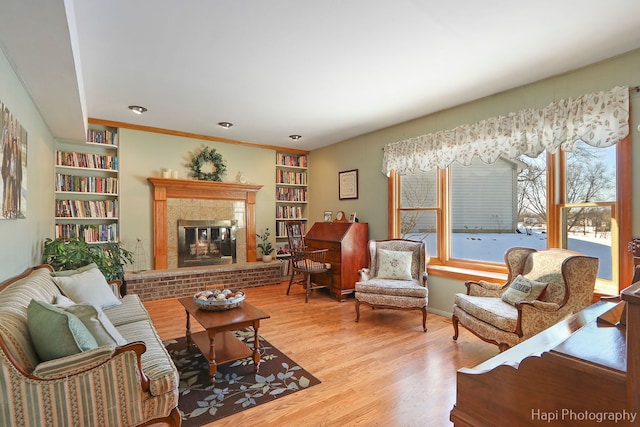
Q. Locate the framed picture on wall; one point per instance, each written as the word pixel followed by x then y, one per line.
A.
pixel 348 184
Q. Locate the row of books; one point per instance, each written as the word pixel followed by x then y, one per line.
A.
pixel 86 184
pixel 283 159
pixel 286 194
pixel 291 177
pixel 101 233
pixel 281 229
pixel 86 160
pixel 87 208
pixel 288 212
pixel 102 137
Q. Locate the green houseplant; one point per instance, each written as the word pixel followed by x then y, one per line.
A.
pixel 69 254
pixel 265 245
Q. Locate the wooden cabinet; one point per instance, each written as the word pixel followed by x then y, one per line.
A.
pixel 579 366
pixel 347 244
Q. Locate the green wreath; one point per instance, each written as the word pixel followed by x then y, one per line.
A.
pixel 208 155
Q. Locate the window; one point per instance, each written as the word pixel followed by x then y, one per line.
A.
pixel 420 212
pixel 470 215
pixel 588 213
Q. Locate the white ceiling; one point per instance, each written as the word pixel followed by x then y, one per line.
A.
pixel 327 70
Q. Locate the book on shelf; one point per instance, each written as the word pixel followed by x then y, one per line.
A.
pixel 286 194
pixel 106 137
pixel 86 208
pixel 293 160
pixel 288 212
pixel 281 229
pixel 86 160
pixel 100 233
pixel 291 177
pixel 86 184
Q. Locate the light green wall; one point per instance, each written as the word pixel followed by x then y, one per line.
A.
pixel 144 155
pixel 21 240
pixel 365 152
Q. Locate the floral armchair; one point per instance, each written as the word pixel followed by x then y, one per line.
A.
pixel 569 278
pixel 396 277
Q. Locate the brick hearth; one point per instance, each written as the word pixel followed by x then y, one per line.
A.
pixel 179 282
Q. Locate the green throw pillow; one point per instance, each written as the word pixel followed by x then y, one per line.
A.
pixel 56 333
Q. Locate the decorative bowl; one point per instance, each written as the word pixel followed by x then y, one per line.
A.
pixel 218 299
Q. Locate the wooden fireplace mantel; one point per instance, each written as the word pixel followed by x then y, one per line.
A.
pixel 166 188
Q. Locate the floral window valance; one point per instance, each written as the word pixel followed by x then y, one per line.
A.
pixel 600 119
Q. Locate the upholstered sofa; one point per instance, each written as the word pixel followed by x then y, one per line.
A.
pixel 129 382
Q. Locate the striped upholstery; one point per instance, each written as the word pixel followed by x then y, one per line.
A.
pixel 94 388
pixel 131 310
pixel 156 362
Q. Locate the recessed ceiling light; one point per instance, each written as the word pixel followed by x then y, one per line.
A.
pixel 295 137
pixel 137 109
pixel 225 125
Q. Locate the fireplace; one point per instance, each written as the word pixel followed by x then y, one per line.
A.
pixel 204 242
pixel 191 195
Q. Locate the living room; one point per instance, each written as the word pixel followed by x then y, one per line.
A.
pixel 145 154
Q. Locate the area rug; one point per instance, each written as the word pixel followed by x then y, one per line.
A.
pixel 237 386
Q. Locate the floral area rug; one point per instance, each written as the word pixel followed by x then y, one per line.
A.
pixel 237 386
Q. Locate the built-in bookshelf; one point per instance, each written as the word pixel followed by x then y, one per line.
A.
pixel 87 187
pixel 291 198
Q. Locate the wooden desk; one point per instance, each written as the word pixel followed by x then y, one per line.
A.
pixel 575 367
pixel 347 245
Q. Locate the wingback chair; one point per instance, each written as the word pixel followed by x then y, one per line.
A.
pixel 567 280
pixel 396 277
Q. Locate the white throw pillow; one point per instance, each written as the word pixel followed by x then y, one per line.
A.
pixel 97 323
pixel 394 264
pixel 88 287
pixel 62 301
pixel 523 289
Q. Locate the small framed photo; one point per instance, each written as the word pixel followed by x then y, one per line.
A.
pixel 348 184
pixel 352 217
pixel 328 216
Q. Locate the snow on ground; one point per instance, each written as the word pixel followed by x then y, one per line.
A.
pixel 491 247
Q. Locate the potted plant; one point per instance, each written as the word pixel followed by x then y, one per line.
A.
pixel 73 253
pixel 265 245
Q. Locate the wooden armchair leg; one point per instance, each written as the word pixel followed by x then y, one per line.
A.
pixel 290 282
pixel 308 290
pixel 424 319
pixel 454 321
pixel 357 310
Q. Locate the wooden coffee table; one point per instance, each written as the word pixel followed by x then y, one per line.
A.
pixel 218 344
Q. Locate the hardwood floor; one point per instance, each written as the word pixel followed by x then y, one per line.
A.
pixel 381 371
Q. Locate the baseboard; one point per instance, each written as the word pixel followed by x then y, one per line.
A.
pixel 440 312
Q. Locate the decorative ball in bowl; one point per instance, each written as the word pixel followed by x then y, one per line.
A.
pixel 218 299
